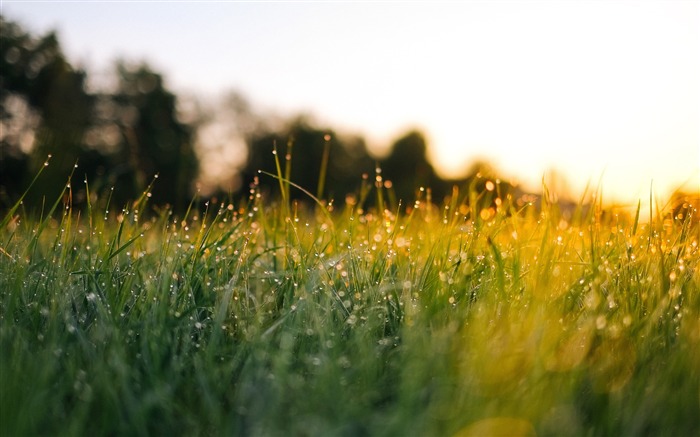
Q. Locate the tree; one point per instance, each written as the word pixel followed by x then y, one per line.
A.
pixel 305 146
pixel 137 129
pixel 408 168
pixel 121 138
pixel 44 109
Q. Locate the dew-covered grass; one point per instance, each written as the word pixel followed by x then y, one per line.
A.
pixel 264 317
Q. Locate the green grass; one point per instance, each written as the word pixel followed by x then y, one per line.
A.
pixel 265 318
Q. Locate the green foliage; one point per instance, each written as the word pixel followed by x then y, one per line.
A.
pixel 265 319
pixel 121 138
pixel 408 169
pixel 41 97
pixel 315 158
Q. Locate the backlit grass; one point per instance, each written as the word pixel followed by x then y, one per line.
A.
pixel 357 317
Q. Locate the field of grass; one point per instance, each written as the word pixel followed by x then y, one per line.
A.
pixel 265 317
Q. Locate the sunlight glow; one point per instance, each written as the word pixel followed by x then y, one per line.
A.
pixel 599 91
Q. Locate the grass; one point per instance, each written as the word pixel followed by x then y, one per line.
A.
pixel 276 318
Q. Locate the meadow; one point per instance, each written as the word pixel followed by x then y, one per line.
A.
pixel 264 316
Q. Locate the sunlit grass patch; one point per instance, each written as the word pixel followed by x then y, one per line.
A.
pixel 260 317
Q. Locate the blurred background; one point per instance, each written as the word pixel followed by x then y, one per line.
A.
pixel 573 93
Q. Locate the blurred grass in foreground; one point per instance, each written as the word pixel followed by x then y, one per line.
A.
pixel 274 318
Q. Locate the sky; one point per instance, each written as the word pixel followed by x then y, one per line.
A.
pixel 605 92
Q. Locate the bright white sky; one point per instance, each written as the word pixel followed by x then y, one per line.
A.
pixel 591 88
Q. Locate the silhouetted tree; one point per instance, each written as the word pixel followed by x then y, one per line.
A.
pixel 408 168
pixel 139 126
pixel 304 145
pixel 44 109
pixel 121 138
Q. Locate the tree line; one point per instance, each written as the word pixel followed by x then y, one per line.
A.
pixel 125 135
pixel 119 138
